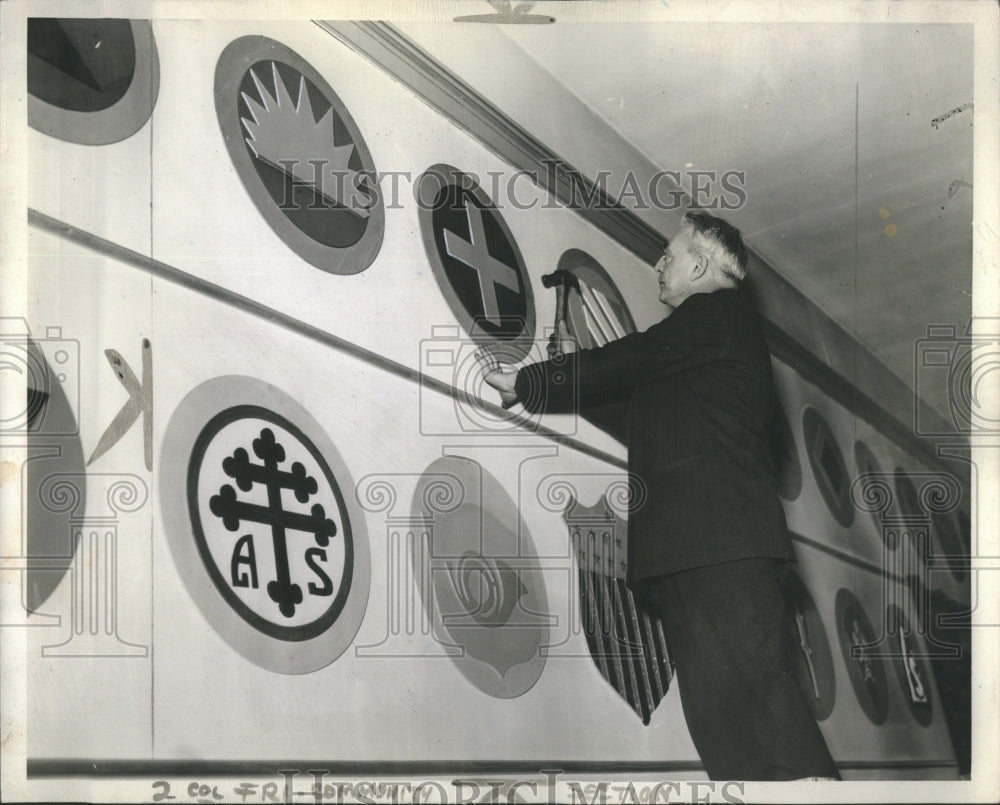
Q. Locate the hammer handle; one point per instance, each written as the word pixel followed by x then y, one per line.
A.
pixel 555 349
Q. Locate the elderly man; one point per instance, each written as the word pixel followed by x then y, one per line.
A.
pixel 707 543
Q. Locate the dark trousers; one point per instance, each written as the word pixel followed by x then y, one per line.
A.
pixel 733 662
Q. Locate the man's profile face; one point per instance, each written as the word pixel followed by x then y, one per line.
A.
pixel 675 269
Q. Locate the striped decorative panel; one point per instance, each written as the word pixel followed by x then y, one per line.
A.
pixel 626 642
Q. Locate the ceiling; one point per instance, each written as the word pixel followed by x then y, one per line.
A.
pixel 852 194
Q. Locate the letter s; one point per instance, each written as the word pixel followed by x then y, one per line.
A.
pixel 314 589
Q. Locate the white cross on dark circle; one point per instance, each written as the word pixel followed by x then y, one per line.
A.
pixel 488 268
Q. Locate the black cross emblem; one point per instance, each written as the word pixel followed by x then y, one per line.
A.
pixel 285 593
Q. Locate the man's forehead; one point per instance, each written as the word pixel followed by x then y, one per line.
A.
pixel 679 240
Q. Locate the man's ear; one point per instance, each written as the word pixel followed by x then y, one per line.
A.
pixel 700 267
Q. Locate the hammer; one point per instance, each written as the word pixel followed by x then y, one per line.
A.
pixel 563 281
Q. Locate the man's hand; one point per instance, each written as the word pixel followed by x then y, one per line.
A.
pixel 500 380
pixel 561 342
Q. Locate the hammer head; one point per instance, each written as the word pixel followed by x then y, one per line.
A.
pixel 560 277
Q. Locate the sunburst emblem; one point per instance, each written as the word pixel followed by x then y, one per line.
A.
pixel 300 155
pixel 286 135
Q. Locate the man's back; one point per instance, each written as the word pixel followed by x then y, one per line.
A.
pixel 698 442
pixel 698 386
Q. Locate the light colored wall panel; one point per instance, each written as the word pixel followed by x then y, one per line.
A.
pixel 426 709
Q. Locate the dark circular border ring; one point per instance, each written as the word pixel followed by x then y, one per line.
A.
pixel 119 121
pixel 238 57
pixel 199 407
pixel 817 433
pixel 922 712
pixel 297 633
pixel 794 590
pixel 865 463
pixel 516 348
pixel 874 701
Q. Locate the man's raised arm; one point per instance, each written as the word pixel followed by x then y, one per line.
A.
pixel 695 333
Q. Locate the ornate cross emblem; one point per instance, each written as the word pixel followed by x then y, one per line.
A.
pixel 270 523
pixel 282 590
pixel 266 543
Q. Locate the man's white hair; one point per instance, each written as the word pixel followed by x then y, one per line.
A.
pixel 719 242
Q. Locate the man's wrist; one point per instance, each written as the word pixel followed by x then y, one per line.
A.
pixel 510 382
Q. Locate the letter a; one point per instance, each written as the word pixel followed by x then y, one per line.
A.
pixel 250 560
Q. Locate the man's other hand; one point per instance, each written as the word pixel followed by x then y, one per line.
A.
pixel 500 380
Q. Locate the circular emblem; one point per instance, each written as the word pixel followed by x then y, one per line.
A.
pixel 91 81
pixel 479 577
pixel 867 464
pixel 299 154
pixel 596 310
pixel 476 261
pixel 860 649
pixel 814 660
pixel 910 668
pixel 828 466
pixel 953 540
pixel 265 540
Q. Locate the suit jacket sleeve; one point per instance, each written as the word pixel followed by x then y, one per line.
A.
pixel 694 334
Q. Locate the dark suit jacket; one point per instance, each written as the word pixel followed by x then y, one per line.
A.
pixel 699 393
